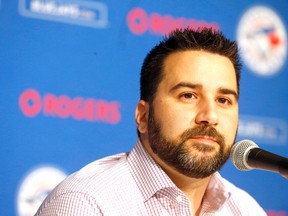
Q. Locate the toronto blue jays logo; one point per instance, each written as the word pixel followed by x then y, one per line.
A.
pixel 262 39
pixel 35 186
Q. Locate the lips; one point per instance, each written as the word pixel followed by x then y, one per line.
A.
pixel 205 140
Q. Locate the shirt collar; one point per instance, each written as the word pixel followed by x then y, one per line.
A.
pixel 150 179
pixel 216 195
pixel 148 175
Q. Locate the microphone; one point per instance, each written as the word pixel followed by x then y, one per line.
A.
pixel 246 155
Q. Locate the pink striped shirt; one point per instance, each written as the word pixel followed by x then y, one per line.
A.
pixel 133 184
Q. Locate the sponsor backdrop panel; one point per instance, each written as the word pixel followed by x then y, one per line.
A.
pixel 69 86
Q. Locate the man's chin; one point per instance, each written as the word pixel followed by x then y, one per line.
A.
pixel 203 148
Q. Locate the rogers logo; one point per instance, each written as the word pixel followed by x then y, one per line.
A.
pixel 32 104
pixel 139 22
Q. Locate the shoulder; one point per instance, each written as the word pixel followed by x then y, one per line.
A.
pixel 96 179
pixel 81 192
pixel 103 186
pixel 97 176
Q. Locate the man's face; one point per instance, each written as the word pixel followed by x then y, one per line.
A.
pixel 194 117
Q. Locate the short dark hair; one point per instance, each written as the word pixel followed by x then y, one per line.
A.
pixel 205 39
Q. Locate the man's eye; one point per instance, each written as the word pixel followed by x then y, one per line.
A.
pixel 224 101
pixel 187 96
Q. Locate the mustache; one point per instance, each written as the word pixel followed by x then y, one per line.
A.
pixel 202 130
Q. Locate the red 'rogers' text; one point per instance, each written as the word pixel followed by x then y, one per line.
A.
pixel 32 104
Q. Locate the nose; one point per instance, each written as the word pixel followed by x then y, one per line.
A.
pixel 207 113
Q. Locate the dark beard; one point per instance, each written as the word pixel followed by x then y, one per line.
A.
pixel 179 153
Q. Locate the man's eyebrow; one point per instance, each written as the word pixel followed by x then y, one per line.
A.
pixel 185 84
pixel 229 91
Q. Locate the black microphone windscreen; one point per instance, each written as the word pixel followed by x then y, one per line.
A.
pixel 239 154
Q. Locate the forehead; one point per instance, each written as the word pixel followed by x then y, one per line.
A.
pixel 199 67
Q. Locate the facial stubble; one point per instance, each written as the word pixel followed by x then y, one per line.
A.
pixel 193 159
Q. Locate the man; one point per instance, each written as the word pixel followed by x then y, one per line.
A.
pixel 187 121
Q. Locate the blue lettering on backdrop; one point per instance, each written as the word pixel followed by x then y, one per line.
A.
pixel 270 131
pixel 87 13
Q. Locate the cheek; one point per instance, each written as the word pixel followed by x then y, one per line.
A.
pixel 173 120
pixel 230 127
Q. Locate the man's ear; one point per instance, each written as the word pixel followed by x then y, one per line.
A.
pixel 141 116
